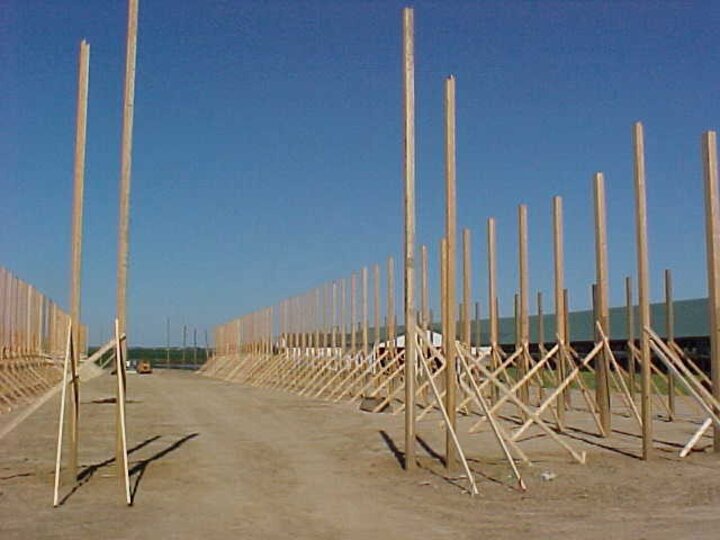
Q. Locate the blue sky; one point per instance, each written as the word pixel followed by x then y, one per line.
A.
pixel 267 155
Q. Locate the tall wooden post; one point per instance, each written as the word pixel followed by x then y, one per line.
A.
pixel 125 167
pixel 353 313
pixel 365 312
pixel 409 184
pixel 523 315
pixel 391 304
pixel 425 298
pixel 76 243
pixel 451 232
pixel 712 234
pixel 630 325
pixel 467 285
pixel 602 387
pixel 643 286
pixel 540 323
pixel 492 298
pixel 376 303
pixel 670 336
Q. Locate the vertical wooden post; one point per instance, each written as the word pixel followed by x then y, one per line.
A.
pixel 391 304
pixel 409 183
pixel 333 331
pixel 712 235
pixel 425 309
pixel 125 167
pixel 478 340
pixel 376 303
pixel 559 275
pixel 450 231
pixel 167 342
pixel 540 323
pixel 365 312
pixel 524 328
pixel 670 336
pixel 643 285
pixel 467 284
pixel 492 299
pixel 353 313
pixel 602 388
pixel 630 326
pixel 76 242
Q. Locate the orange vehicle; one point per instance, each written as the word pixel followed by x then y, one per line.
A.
pixel 143 367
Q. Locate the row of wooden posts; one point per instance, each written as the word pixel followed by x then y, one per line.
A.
pixel 33 331
pixel 314 345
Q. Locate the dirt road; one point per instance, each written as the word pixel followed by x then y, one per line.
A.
pixel 216 460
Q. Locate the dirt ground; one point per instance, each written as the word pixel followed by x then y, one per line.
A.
pixel 217 460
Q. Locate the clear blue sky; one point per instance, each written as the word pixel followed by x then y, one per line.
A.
pixel 267 154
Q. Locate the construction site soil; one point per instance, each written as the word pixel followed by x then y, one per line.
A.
pixel 210 459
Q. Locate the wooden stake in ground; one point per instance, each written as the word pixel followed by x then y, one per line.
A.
pixel 125 167
pixel 492 299
pixel 602 388
pixel 76 242
pixel 670 337
pixel 409 173
pixel 712 235
pixel 523 315
pixel 450 232
pixel 467 284
pixel 643 285
pixel 630 325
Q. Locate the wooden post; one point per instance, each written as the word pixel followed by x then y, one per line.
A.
pixel 76 243
pixel 630 320
pixel 670 336
pixel 167 342
pixel 524 328
pixel 376 303
pixel 492 299
pixel 125 167
pixel 643 285
pixel 409 173
pixel 353 313
pixel 450 231
pixel 365 312
pixel 467 284
pixel 712 235
pixel 540 323
pixel 602 388
pixel 425 309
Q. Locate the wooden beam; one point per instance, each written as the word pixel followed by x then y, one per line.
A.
pixel 523 307
pixel 643 286
pixel 712 235
pixel 450 232
pixel 467 285
pixel 630 328
pixel 409 173
pixel 670 336
pixel 76 243
pixel 602 387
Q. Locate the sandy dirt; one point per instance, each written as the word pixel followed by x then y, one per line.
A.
pixel 211 459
